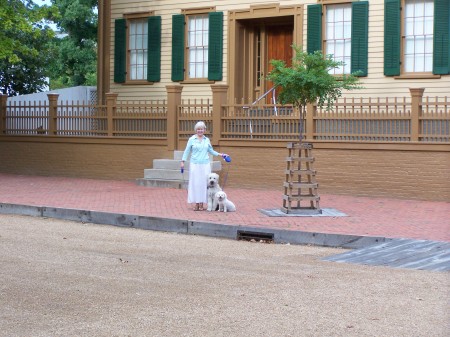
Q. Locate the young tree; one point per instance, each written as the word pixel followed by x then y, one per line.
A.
pixel 308 80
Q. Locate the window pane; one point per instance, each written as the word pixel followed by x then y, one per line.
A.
pixel 418 26
pixel 409 45
pixel 191 24
pixel 347 12
pixel 132 29
pixel 429 8
pixel 330 49
pixel 330 31
pixel 347 64
pixel 339 30
pixel 409 26
pixel 140 57
pixel 419 63
pixel 191 39
pixel 139 42
pixel 348 49
pixel 420 45
pixel 200 73
pixel 330 14
pixel 132 72
pixel 339 52
pixel 429 62
pixel 409 63
pixel 198 38
pixel 429 45
pixel 339 14
pixel 133 57
pixel 419 8
pixel 347 29
pixel 428 26
pixel 192 55
pixel 140 72
pixel 199 23
pixel 199 56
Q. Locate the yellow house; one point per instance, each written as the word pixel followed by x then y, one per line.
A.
pixel 145 46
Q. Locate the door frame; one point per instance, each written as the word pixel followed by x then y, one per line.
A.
pixel 240 35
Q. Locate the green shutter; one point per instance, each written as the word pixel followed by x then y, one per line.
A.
pixel 215 46
pixel 178 47
pixel 120 51
pixel 441 59
pixel 391 37
pixel 314 27
pixel 360 34
pixel 154 49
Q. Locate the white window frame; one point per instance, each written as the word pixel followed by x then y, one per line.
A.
pixel 137 38
pixel 417 36
pixel 338 35
pixel 197 46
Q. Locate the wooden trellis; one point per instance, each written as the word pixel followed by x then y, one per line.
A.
pixel 300 187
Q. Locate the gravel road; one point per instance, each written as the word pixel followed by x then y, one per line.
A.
pixel 63 278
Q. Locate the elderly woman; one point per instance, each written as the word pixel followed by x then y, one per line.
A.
pixel 199 147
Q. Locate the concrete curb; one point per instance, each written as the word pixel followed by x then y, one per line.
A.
pixel 192 227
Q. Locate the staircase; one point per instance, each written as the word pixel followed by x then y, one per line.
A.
pixel 166 172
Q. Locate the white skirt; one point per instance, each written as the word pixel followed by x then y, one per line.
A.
pixel 198 183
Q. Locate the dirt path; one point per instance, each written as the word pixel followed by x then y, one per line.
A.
pixel 62 278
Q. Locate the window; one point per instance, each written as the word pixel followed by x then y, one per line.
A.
pixel 197 46
pixel 416 37
pixel 345 35
pixel 137 52
pixel 199 56
pixel 338 31
pixel 137 49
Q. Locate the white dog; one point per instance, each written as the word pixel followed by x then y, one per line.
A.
pixel 225 205
pixel 213 188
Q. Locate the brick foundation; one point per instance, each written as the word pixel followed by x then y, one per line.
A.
pixel 398 171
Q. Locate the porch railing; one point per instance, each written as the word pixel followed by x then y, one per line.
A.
pixel 404 119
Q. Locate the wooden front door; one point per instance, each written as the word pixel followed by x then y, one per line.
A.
pixel 279 47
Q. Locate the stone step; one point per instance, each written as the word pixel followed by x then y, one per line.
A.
pixel 162 183
pixel 173 164
pixel 168 164
pixel 177 155
pixel 166 172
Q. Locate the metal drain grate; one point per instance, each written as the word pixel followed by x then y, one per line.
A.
pixel 256 236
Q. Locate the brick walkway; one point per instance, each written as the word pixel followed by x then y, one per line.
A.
pixel 390 218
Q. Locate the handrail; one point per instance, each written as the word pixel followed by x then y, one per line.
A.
pixel 257 100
